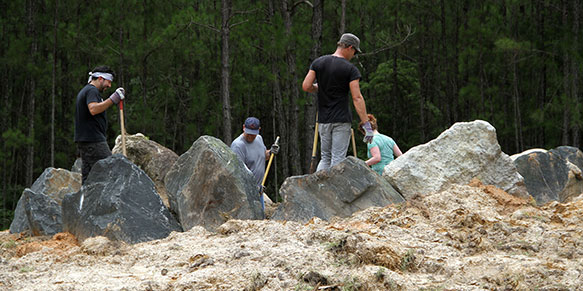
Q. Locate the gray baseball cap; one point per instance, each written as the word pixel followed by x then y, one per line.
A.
pixel 351 39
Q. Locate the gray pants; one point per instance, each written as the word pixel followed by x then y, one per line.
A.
pixel 91 152
pixel 334 141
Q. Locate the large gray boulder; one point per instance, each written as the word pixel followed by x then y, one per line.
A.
pixel 465 151
pixel 570 154
pixel 43 213
pixel 209 185
pixel 77 166
pixel 118 201
pixel 155 159
pixel 346 188
pixel 552 175
pixel 50 188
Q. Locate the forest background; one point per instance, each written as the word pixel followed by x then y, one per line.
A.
pixel 193 68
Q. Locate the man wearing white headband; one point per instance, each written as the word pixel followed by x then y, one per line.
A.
pixel 91 118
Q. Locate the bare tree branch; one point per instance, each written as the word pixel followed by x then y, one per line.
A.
pixel 390 45
pixel 238 23
pixel 206 26
pixel 293 8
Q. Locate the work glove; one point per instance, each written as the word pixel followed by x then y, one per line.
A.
pixel 274 149
pixel 118 95
pixel 368 133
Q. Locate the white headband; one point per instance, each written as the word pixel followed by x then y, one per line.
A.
pixel 106 76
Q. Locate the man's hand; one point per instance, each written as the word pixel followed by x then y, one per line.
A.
pixel 118 95
pixel 274 149
pixel 369 134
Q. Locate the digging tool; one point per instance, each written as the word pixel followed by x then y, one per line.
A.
pixel 353 142
pixel 314 161
pixel 268 165
pixel 123 129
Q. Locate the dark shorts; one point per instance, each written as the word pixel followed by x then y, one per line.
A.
pixel 91 152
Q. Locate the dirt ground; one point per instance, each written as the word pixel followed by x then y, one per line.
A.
pixel 470 237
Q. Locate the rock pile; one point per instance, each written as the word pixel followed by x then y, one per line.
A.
pixel 156 192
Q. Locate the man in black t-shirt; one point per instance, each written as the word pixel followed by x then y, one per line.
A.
pixel 335 77
pixel 91 118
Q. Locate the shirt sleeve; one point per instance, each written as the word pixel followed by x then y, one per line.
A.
pixel 354 74
pixel 238 151
pixel 392 143
pixel 373 144
pixel 93 96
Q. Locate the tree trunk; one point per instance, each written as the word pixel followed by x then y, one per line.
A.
pixel 31 99
pixel 395 93
pixel 445 65
pixel 566 90
pixel 310 112
pixel 144 78
pixel 53 85
pixel 280 114
pixel 296 166
pixel 516 97
pixel 575 74
pixel 225 78
pixel 540 134
pixel 342 28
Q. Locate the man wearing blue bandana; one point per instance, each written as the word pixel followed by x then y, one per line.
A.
pixel 91 118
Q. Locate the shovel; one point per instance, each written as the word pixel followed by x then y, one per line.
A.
pixel 314 161
pixel 353 142
pixel 123 129
pixel 268 166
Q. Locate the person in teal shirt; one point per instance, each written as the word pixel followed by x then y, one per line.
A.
pixel 382 150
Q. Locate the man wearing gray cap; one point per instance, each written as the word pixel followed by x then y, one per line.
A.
pixel 335 77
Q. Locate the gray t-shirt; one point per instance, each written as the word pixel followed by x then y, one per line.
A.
pixel 252 155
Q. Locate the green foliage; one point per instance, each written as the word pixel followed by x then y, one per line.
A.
pixel 508 44
pixel 380 274
pixel 425 66
pixel 408 261
pixel 351 283
pixel 6 216
pixel 14 138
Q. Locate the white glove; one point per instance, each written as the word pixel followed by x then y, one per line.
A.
pixel 118 95
pixel 369 133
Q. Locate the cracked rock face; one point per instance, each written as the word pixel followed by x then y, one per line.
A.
pixel 38 211
pixel 118 201
pixel 340 191
pixel 553 175
pixel 465 151
pixel 209 185
pixel 155 159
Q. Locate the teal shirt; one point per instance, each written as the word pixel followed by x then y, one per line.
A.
pixel 385 145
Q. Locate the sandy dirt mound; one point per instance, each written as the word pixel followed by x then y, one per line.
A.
pixel 465 238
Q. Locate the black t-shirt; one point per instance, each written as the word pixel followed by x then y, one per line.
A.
pixel 89 128
pixel 334 75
